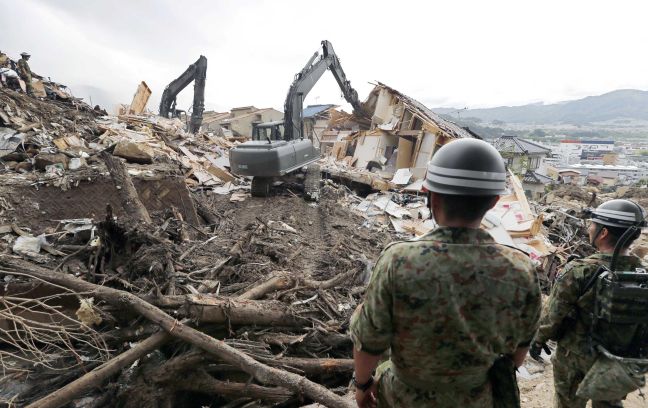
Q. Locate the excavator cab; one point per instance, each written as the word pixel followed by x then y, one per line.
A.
pixel 268 130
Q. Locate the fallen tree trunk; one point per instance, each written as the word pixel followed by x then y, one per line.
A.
pixel 125 188
pixel 262 372
pixel 279 339
pixel 202 382
pixel 206 308
pixel 313 366
pixel 96 377
pixel 209 309
pixel 283 282
pixel 273 284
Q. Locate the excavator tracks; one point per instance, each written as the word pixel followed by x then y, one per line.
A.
pixel 312 182
pixel 261 186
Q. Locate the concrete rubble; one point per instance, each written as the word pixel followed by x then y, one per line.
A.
pixel 166 281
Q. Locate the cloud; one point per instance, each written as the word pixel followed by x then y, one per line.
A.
pixel 460 53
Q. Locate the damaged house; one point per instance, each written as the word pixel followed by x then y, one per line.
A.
pixel 403 134
pixel 521 155
pixel 316 121
pixel 240 121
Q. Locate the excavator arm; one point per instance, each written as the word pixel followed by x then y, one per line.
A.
pixel 306 79
pixel 196 72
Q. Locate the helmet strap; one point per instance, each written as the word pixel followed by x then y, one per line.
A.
pixel 430 206
pixel 599 229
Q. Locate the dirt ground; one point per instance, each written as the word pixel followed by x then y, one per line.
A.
pixel 537 392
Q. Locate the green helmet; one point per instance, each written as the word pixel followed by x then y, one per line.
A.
pixel 619 213
pixel 469 167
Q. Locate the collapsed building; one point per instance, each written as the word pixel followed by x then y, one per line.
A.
pixel 403 134
pixel 239 122
pixel 138 271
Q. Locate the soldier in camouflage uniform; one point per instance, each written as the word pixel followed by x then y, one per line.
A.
pixel 450 303
pixel 567 318
pixel 25 72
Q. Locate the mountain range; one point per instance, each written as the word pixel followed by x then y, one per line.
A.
pixel 623 104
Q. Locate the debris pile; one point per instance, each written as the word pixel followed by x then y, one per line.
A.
pixel 132 278
pixel 400 139
pixel 137 270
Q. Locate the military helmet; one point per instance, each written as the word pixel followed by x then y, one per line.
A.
pixel 466 167
pixel 619 213
pixel 25 54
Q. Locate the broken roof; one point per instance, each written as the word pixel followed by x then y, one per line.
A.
pixel 245 115
pixel 313 110
pixel 451 128
pixel 209 117
pixel 533 177
pixel 516 145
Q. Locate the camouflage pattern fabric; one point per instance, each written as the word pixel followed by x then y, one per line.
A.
pixel 609 379
pixel 4 60
pixel 25 74
pixel 567 319
pixel 447 305
pixel 569 370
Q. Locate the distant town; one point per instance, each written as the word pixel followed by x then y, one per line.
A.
pixel 605 164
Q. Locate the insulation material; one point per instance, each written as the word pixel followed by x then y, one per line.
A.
pixel 405 150
pixel 140 99
pixel 425 150
pixel 368 148
pixel 402 177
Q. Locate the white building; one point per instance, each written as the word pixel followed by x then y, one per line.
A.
pixel 611 175
pixel 573 151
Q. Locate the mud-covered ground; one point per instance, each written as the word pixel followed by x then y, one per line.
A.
pixel 537 392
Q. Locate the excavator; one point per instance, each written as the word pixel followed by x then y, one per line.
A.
pixel 196 72
pixel 279 148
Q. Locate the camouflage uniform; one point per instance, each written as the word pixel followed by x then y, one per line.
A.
pixel 447 305
pixel 25 74
pixel 4 60
pixel 567 320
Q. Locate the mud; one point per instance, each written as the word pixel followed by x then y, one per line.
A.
pixel 39 203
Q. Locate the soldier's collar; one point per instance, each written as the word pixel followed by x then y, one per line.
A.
pixel 607 257
pixel 456 235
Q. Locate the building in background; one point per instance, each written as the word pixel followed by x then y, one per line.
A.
pixel 607 175
pixel 572 151
pixel 316 121
pixel 521 155
pixel 534 184
pixel 239 122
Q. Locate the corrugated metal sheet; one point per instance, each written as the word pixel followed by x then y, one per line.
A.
pixel 313 110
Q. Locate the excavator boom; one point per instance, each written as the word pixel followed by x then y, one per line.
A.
pixel 196 72
pixel 306 79
pixel 265 159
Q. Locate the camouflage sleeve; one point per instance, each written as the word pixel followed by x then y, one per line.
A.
pixel 562 301
pixel 531 312
pixel 20 67
pixel 371 324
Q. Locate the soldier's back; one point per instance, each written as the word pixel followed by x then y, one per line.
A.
pixel 460 300
pixel 580 275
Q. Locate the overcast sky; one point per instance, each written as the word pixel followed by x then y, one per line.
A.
pixel 444 53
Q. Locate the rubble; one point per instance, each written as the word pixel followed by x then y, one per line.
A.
pixel 233 282
pixel 134 152
pixel 403 134
pixel 137 269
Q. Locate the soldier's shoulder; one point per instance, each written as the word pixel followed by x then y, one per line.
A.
pixel 514 255
pixel 583 264
pixel 578 269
